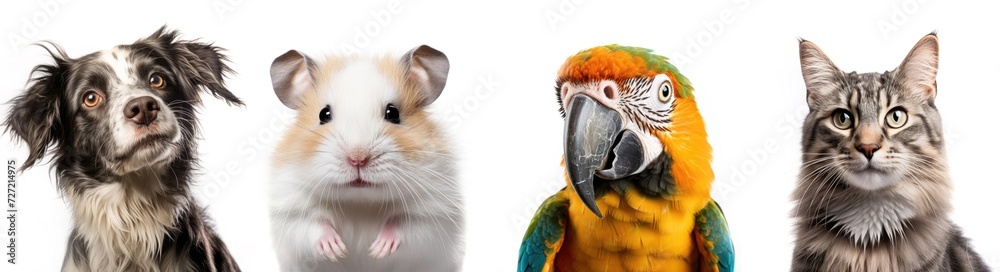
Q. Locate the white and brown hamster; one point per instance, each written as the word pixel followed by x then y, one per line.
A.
pixel 364 179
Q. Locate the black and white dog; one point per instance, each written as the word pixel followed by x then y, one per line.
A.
pixel 120 125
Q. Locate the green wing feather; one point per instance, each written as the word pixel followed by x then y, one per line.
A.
pixel 713 237
pixel 545 231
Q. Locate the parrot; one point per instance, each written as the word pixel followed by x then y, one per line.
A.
pixel 638 172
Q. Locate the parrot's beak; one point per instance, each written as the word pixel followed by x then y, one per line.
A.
pixel 626 159
pixel 592 131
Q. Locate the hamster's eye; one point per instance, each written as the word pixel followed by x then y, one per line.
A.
pixel 157 82
pixel 325 115
pixel 392 114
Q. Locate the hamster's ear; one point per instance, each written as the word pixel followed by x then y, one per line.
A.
pixel 34 116
pixel 919 68
pixel 291 76
pixel 429 68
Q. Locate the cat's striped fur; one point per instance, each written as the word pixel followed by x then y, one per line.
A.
pixel 874 191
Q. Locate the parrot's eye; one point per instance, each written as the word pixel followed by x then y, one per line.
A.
pixel 666 91
pixel 896 117
pixel 392 114
pixel 842 119
pixel 325 115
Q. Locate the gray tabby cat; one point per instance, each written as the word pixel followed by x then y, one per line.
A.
pixel 873 192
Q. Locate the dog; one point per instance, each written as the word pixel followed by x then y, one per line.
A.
pixel 120 127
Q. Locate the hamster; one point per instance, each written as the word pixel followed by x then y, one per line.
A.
pixel 364 179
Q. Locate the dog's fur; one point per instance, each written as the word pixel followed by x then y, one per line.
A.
pixel 127 183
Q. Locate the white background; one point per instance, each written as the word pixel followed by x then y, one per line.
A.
pixel 499 103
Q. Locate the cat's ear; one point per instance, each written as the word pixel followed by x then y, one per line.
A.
pixel 919 69
pixel 819 73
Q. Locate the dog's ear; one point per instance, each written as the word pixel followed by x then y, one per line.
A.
pixel 208 62
pixel 201 64
pixel 35 114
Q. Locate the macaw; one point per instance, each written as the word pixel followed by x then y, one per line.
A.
pixel 638 163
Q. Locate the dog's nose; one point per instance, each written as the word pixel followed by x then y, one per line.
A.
pixel 142 110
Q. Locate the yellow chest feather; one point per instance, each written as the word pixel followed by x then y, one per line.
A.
pixel 637 233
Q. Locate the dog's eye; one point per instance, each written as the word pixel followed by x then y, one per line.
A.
pixel 392 114
pixel 156 81
pixel 325 115
pixel 92 99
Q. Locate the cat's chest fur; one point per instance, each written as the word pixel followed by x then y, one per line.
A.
pixel 920 248
pixel 870 217
pixel 886 230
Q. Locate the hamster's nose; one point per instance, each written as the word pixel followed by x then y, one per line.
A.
pixel 358 158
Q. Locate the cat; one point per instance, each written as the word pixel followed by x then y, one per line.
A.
pixel 873 192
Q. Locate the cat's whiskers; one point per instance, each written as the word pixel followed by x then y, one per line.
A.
pixel 822 186
pixel 829 189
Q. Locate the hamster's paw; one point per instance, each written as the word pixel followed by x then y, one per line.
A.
pixel 330 244
pixel 387 241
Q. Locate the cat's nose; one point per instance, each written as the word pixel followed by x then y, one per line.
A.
pixel 868 150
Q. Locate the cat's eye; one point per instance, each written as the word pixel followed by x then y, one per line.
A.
pixel 325 115
pixel 392 114
pixel 896 118
pixel 666 91
pixel 842 119
pixel 157 82
pixel 92 99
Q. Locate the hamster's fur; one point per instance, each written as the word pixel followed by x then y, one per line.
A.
pixel 364 179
